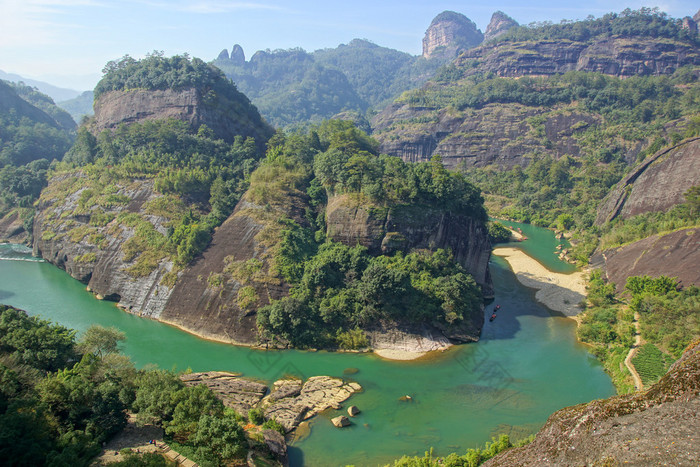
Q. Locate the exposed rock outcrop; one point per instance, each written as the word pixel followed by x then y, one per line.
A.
pixel 656 427
pixel 227 119
pixel 403 228
pixel 618 56
pixel 241 394
pixel 676 254
pixel 341 422
pixel 495 134
pixel 449 34
pixel 12 229
pixel 210 310
pixel 500 23
pixel 223 55
pixel 64 236
pixel 656 184
pixel 291 402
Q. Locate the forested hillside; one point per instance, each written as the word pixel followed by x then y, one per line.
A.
pixel 33 132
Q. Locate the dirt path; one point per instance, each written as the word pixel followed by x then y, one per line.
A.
pixel 633 351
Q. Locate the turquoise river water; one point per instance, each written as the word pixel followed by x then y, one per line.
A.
pixel 526 366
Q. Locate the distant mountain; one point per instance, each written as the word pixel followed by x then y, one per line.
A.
pixel 55 92
pixel 294 86
pixel 80 106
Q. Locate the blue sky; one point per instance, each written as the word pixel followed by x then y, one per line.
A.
pixel 67 42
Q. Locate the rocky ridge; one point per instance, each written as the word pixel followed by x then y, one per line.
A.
pixel 656 184
pixel 655 427
pixel 615 55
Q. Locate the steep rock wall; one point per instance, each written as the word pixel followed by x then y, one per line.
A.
pixel 656 184
pixel 211 309
pixel 227 119
pixel 385 230
pixel 448 34
pixel 675 255
pixel 496 134
pixel 618 56
pixel 101 265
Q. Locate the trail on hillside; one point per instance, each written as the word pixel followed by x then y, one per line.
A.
pixel 633 351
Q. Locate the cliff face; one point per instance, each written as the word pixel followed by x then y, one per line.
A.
pixel 656 184
pixel 448 34
pixel 616 56
pixel 205 297
pixel 227 119
pixel 406 228
pixel 674 255
pixel 656 427
pixel 64 236
pixel 500 23
pixel 497 133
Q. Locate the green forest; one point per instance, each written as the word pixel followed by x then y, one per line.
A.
pixel 338 290
pixel 62 395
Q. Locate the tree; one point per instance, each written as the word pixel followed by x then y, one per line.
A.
pixel 223 435
pixel 101 341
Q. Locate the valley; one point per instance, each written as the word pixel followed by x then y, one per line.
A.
pixel 336 223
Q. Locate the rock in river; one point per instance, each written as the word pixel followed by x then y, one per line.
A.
pixel 341 421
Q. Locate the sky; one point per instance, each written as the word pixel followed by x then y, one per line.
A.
pixel 68 42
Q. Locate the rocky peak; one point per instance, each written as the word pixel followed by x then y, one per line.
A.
pixel 500 23
pixel 450 33
pixel 223 55
pixel 237 55
pixel 696 17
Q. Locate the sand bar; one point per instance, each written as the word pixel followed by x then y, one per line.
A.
pixel 557 291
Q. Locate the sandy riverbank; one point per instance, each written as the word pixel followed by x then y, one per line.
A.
pixel 396 354
pixel 557 291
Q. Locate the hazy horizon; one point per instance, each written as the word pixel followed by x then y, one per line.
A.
pixel 67 42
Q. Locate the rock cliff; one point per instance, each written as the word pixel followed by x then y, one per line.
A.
pixel 64 236
pixel 505 135
pixel 656 184
pixel 226 118
pixel 676 254
pixel 449 34
pixel 614 55
pixel 205 298
pixel 500 23
pixel 12 229
pixel 656 427
pixel 404 228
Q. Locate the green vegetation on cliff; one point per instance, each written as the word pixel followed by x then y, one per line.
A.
pixel 199 179
pixel 648 22
pixel 338 291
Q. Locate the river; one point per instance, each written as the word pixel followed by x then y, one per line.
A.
pixel 526 366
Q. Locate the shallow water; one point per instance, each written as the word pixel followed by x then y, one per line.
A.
pixel 526 365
